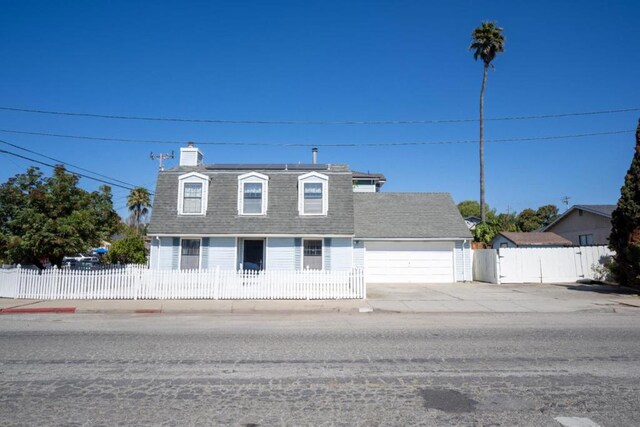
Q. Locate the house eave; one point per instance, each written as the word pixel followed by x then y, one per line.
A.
pixel 412 239
pixel 255 235
pixel 571 209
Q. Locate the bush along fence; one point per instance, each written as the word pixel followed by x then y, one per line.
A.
pixel 540 265
pixel 139 282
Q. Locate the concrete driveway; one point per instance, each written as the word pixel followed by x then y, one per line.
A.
pixel 483 297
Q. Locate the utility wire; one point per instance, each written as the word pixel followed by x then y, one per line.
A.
pixel 65 163
pixel 311 122
pixel 75 173
pixel 284 144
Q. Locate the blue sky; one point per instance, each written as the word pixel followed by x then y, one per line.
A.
pixel 330 61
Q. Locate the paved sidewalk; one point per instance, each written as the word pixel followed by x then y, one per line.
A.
pixel 407 298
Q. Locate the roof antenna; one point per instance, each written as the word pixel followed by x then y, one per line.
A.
pixel 565 200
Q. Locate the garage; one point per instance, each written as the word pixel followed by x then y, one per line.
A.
pixel 409 262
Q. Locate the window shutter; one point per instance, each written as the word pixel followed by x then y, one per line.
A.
pixel 204 250
pixel 175 253
pixel 326 253
pixel 297 243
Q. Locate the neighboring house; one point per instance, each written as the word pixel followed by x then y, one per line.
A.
pixel 531 239
pixel 367 182
pixel 472 221
pixel 584 225
pixel 293 217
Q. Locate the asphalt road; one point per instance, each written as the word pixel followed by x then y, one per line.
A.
pixel 320 369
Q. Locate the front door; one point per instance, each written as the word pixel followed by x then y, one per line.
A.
pixel 253 255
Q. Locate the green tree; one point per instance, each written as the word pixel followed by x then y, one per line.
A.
pixel 625 221
pixel 128 250
pixel 506 222
pixel 547 214
pixel 139 203
pixel 48 218
pixel 469 208
pixel 487 42
pixel 528 220
pixel 484 232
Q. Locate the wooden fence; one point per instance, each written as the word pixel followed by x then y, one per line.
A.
pixel 538 265
pixel 142 283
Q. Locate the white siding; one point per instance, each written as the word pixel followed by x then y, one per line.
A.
pixel 341 253
pixel 162 259
pixel 281 254
pixel 153 253
pixel 222 253
pixel 358 254
pixel 364 188
pixel 463 261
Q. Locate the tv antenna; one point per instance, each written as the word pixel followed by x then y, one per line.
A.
pixel 161 158
pixel 565 200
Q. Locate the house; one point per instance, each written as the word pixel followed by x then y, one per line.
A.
pixel 472 221
pixel 531 239
pixel 584 225
pixel 367 182
pixel 303 216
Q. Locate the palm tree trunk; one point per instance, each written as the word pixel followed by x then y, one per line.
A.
pixel 482 202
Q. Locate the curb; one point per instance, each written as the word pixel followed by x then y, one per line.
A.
pixel 39 310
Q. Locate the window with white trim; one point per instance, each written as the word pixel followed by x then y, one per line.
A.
pixel 252 194
pixel 312 254
pixel 313 194
pixel 192 198
pixel 193 190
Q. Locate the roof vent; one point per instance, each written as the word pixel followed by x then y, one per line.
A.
pixel 314 155
pixel 190 155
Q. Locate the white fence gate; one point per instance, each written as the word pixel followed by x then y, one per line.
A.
pixel 143 283
pixel 538 265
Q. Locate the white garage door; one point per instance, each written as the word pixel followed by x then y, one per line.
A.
pixel 409 262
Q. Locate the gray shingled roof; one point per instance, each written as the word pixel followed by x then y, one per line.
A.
pixel 407 215
pixel 535 238
pixel 282 211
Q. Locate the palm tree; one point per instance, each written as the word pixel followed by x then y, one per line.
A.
pixel 487 42
pixel 139 203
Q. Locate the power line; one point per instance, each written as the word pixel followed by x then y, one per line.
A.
pixel 65 163
pixel 283 144
pixel 311 122
pixel 75 173
pixel 92 138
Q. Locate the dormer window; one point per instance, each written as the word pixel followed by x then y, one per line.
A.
pixel 252 194
pixel 192 201
pixel 193 190
pixel 313 194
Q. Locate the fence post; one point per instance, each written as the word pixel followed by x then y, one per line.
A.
pixel 136 287
pixel 497 260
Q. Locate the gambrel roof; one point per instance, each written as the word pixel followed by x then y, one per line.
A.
pixel 282 212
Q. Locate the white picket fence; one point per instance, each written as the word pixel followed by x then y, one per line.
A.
pixel 538 265
pixel 142 283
